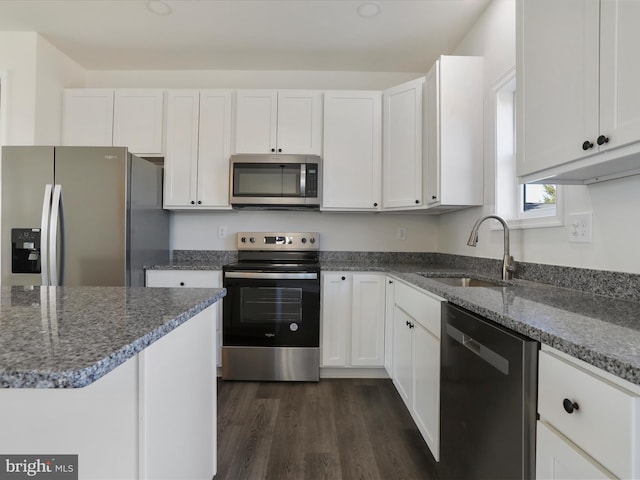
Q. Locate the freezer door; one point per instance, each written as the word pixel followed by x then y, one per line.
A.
pixel 25 173
pixel 94 188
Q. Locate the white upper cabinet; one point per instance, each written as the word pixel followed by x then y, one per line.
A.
pixel 131 118
pixel 87 117
pixel 402 145
pixel 452 139
pixel 352 150
pixel 285 121
pixel 577 90
pixel 198 147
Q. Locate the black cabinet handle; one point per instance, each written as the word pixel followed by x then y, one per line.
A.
pixel 569 406
pixel 587 145
pixel 602 140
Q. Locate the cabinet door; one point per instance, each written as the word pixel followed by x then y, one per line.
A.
pixel 352 150
pixel 619 72
pixel 336 319
pixel 87 117
pixel 557 81
pixel 181 157
pixel 402 155
pixel 388 326
pixel 367 320
pixel 256 121
pixel 299 122
pixel 426 399
pixel 431 135
pixel 137 120
pixel 558 459
pixel 214 148
pixel 403 355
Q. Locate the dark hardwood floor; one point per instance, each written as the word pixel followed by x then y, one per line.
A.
pixel 337 429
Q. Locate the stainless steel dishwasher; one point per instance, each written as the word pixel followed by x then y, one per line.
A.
pixel 488 399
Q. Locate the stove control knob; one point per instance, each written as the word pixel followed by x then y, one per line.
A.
pixel 252 239
pixel 243 239
pixel 312 240
pixel 293 327
pixel 304 240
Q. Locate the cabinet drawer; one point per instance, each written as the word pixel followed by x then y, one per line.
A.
pixel 420 305
pixel 184 278
pixel 606 424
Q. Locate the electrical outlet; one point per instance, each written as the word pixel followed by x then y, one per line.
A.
pixel 580 227
pixel 402 233
pixel 222 231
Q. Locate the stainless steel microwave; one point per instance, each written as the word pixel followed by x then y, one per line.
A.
pixel 283 182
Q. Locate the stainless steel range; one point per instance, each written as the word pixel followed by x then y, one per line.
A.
pixel 271 313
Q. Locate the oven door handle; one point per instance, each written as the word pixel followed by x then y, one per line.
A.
pixel 272 275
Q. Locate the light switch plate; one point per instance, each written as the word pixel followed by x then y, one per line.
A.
pixel 579 227
pixel 402 233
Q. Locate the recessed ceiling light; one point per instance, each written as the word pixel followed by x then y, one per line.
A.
pixel 369 9
pixel 159 7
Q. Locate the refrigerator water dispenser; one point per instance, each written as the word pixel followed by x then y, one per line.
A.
pixel 25 250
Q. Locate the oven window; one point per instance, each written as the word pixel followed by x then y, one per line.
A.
pixel 266 180
pixel 269 305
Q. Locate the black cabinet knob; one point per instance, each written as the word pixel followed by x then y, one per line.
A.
pixel 390 282
pixel 411 325
pixel 569 406
pixel 279 150
pixel 587 145
pixel 375 204
pixel 343 278
pixel 417 201
pixel 433 197
pixel 182 284
pixel 192 202
pixel 602 140
pixel 407 323
pixel 199 202
pixel 273 149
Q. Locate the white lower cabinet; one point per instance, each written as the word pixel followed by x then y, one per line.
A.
pixel 352 319
pixel 191 279
pixel 416 357
pixel 589 423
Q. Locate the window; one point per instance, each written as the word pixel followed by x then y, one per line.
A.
pixel 524 206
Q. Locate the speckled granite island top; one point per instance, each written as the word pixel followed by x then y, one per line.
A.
pixel 600 330
pixel 68 337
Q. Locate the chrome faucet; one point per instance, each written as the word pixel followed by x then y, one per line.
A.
pixel 508 263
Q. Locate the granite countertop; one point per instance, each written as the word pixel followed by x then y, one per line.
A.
pixel 68 337
pixel 597 329
pixel 585 321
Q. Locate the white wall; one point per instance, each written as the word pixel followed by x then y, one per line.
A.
pixel 339 231
pixel 247 79
pixel 614 203
pixel 54 71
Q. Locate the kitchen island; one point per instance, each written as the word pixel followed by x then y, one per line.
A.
pixel 122 377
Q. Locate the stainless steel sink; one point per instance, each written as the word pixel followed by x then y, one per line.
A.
pixel 465 281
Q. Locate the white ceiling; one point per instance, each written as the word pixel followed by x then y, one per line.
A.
pixel 406 36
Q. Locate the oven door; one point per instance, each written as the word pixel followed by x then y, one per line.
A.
pixel 269 309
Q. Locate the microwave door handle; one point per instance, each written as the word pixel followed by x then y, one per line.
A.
pixel 303 180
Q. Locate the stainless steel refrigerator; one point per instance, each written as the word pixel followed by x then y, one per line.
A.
pixel 80 216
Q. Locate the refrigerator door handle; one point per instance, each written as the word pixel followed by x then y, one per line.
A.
pixel 56 266
pixel 44 234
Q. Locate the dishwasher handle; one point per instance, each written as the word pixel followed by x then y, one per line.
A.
pixel 494 359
